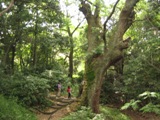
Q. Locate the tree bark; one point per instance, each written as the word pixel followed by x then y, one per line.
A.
pixel 70 72
pixel 98 63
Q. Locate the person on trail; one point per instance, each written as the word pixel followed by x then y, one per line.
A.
pixel 59 86
pixel 69 92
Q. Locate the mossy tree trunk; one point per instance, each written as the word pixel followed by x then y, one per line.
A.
pixel 98 61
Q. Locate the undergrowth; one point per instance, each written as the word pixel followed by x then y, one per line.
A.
pixel 146 102
pixel 10 110
pixel 106 114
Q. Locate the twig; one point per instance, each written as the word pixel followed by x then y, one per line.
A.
pixel 105 23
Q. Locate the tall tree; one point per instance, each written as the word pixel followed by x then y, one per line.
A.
pixel 71 41
pixel 97 62
pixel 70 28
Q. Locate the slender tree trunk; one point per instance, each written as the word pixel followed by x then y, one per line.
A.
pixel 70 34
pixel 70 70
pixel 6 59
pixel 17 38
pixel 13 56
pixel 34 50
pixel 119 70
pixel 70 75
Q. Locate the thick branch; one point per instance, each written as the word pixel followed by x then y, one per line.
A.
pixel 85 9
pixel 10 5
pixel 126 17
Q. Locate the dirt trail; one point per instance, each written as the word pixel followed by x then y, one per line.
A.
pixel 60 108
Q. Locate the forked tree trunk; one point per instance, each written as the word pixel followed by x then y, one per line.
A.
pixel 98 63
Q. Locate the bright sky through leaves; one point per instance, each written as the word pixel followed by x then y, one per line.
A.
pixel 73 9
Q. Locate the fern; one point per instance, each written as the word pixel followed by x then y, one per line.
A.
pixel 133 104
pixel 151 108
pixel 148 94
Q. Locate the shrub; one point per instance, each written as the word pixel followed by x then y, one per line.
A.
pixel 10 110
pixel 30 90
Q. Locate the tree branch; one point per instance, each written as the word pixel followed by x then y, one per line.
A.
pixel 10 5
pixel 114 7
pixel 105 23
pixel 77 26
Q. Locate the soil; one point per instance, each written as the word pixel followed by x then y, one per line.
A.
pixel 56 116
pixel 60 113
pixel 141 116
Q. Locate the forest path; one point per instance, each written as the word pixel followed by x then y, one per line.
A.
pixel 61 106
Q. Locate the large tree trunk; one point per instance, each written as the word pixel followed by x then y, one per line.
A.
pixel 98 63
